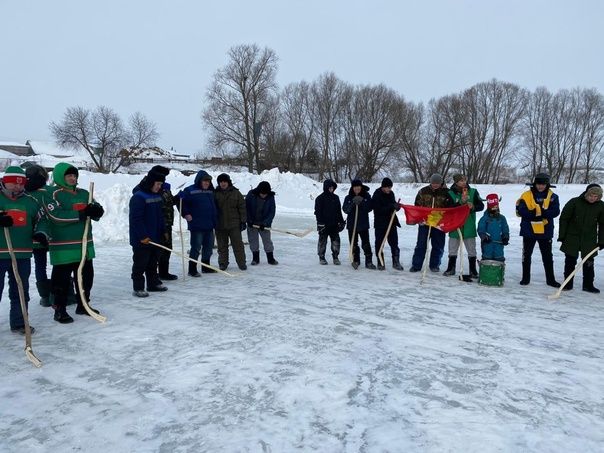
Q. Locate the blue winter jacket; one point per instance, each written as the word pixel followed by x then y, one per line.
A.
pixel 496 227
pixel 199 204
pixel 146 217
pixel 268 209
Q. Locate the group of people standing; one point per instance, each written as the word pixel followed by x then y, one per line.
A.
pixel 581 226
pixel 218 214
pixel 40 220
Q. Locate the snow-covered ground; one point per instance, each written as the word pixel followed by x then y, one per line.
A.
pixel 303 357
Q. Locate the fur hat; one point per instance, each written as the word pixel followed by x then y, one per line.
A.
pixel 15 175
pixel 223 177
pixel 594 189
pixel 458 177
pixel 154 176
pixel 436 179
pixel 160 169
pixel 387 182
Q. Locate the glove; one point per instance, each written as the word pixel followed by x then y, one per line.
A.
pixel 505 240
pixel 167 236
pixel 396 206
pixel 41 239
pixel 601 246
pixel 145 241
pixel 487 239
pixel 92 210
pixel 242 226
pixel 341 226
pixel 5 220
pixel 357 200
pixel 560 239
pixel 320 227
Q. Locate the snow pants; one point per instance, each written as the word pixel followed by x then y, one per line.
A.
pixel 24 269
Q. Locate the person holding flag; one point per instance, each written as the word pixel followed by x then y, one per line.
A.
pixel 434 195
pixel 462 194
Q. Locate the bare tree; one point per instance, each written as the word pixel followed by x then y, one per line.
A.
pixel 492 112
pixel 299 123
pixel 102 134
pixel 329 96
pixel 238 100
pixel 143 132
pixel 373 120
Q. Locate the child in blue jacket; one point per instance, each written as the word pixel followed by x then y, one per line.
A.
pixel 493 231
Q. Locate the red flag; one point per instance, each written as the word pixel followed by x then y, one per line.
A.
pixel 445 219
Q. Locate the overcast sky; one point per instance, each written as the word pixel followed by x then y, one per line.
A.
pixel 158 57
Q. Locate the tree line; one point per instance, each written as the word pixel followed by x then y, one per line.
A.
pixel 493 132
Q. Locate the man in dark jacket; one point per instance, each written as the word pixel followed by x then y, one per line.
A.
pixel 357 206
pixel 260 208
pixel 146 224
pixel 538 207
pixel 231 222
pixel 434 195
pixel 384 208
pixel 328 212
pixel 199 210
pixel 582 230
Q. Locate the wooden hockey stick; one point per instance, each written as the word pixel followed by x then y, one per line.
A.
pixel 93 314
pixel 191 259
pixel 354 233
pixel 29 353
pixel 182 241
pixel 462 277
pixel 299 234
pixel 380 252
pixel 572 274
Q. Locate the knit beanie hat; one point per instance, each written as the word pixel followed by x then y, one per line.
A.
pixel 356 182
pixel 154 176
pixel 264 187
pixel 493 201
pixel 436 179
pixel 15 175
pixel 387 182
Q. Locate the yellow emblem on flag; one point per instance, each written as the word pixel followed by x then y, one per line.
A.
pixel 434 218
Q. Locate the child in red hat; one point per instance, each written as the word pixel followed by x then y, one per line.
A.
pixel 493 230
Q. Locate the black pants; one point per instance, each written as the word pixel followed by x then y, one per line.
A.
pixel 392 241
pixel 60 281
pixel 365 244
pixel 163 259
pixel 144 264
pixel 330 232
pixel 545 246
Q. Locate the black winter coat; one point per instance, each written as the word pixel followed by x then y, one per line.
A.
pixel 328 209
pixel 383 206
pixel 364 209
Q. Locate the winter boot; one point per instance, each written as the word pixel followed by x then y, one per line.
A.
pixel 368 262
pixel 473 272
pixel 526 272
pixel 207 270
pixel 140 293
pixel 162 268
pixel 193 270
pixel 588 277
pixel 80 310
pixel 255 258
pixel 569 266
pixel 451 266
pixel 355 265
pixel 61 315
pixel 271 259
pixel 336 260
pixel 396 264
pixel 322 259
pixel 44 292
pixel 157 288
pixel 550 279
